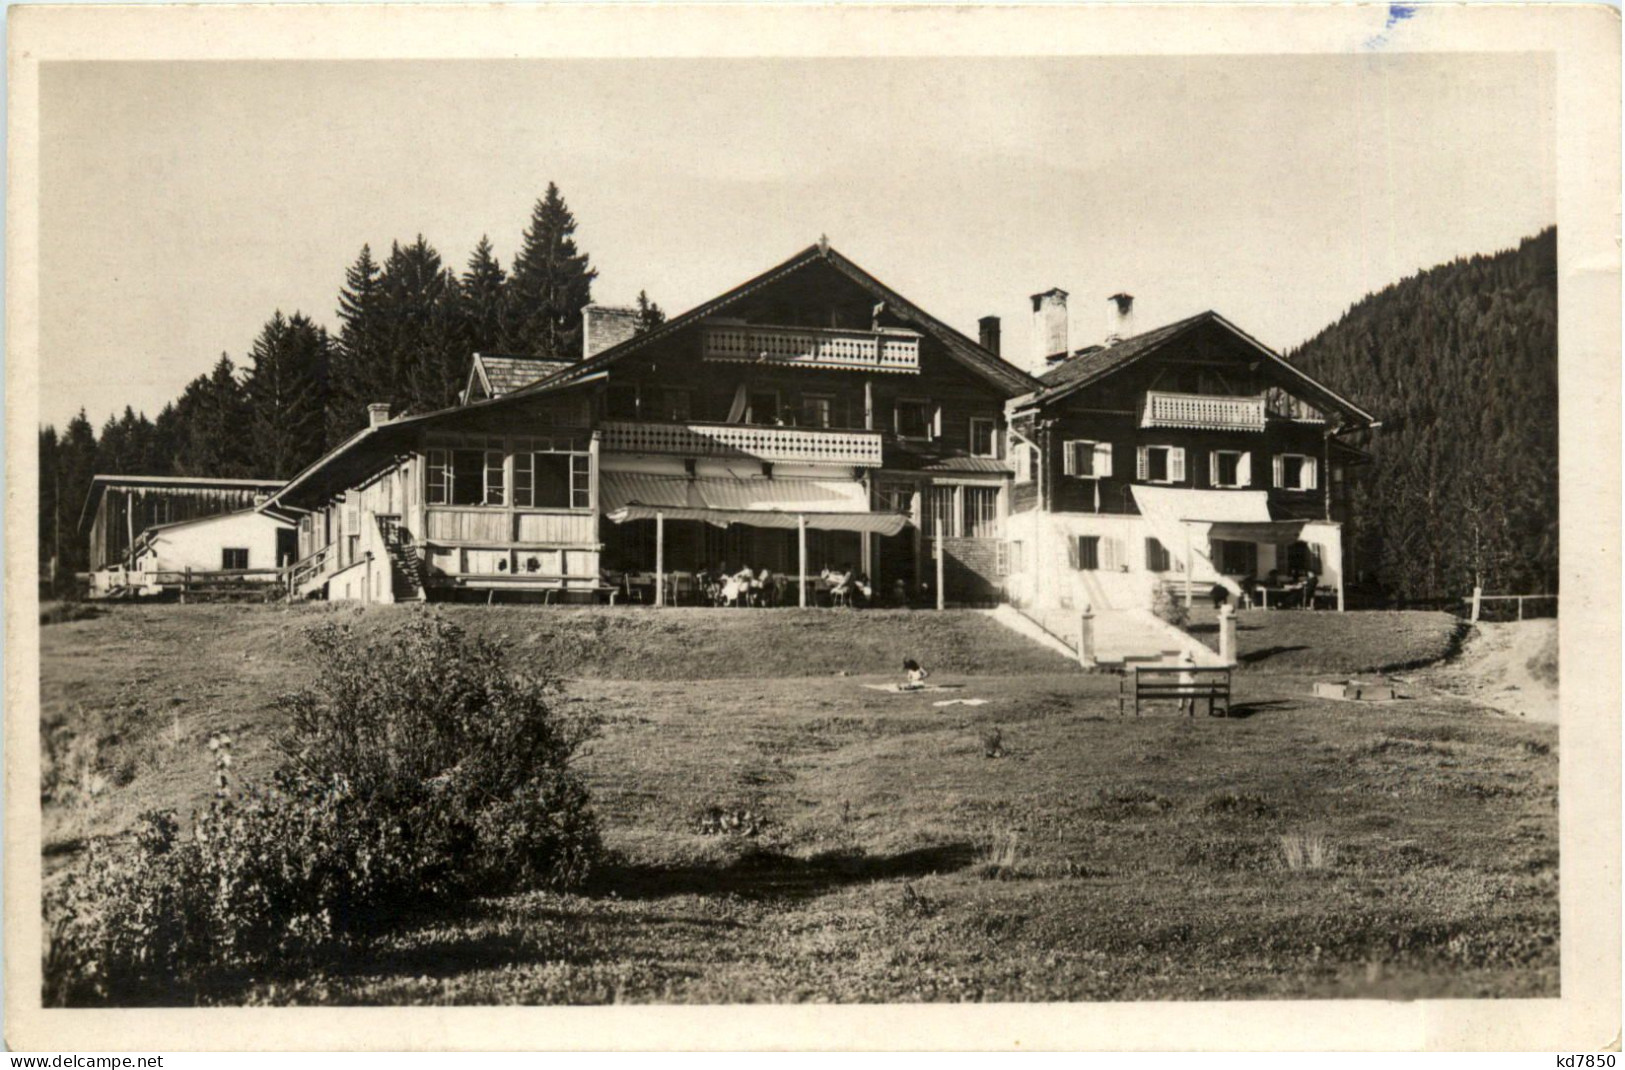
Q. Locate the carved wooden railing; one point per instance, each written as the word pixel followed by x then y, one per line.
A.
pixel 1206 411
pixel 782 444
pixel 876 351
pixel 307 570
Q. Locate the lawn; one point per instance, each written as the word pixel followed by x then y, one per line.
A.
pixel 1304 641
pixel 880 853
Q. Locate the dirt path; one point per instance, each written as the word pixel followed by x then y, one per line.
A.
pixel 1510 667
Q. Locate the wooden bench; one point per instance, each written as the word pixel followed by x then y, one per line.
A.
pixel 1178 682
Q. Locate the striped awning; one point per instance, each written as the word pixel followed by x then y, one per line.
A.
pixel 825 505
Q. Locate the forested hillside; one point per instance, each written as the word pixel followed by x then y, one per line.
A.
pixel 1460 364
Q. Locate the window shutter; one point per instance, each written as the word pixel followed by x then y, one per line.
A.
pixel 1069 465
pixel 1112 550
pixel 1103 459
pixel 1244 470
pixel 1212 468
pixel 1072 553
pixel 1280 471
pixel 1310 480
pixel 1176 465
pixel 1141 464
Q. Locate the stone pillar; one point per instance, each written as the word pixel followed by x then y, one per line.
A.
pixel 1227 634
pixel 1086 637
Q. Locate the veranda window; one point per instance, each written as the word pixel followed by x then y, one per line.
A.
pixel 1236 558
pixel 817 410
pixel 981 512
pixel 556 476
pixel 941 517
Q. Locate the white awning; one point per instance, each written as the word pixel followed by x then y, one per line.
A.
pixel 826 505
pixel 1184 518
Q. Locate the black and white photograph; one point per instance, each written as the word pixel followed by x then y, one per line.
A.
pixel 705 520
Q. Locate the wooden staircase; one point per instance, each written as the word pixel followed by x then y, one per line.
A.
pixel 1125 638
pixel 407 579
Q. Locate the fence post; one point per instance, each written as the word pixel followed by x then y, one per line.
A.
pixel 1086 637
pixel 1520 607
pixel 1227 634
pixel 186 583
pixel 1478 593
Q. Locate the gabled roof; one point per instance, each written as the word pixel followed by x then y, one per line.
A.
pixel 99 484
pixel 503 373
pixel 1001 373
pixel 1090 366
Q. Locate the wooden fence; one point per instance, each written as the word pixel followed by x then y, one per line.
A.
pixel 1477 599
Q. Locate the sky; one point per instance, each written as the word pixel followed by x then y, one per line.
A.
pixel 182 203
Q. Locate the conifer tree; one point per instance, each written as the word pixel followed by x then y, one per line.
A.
pixel 362 366
pixel 286 392
pixel 421 307
pixel 484 302
pixel 215 441
pixel 550 284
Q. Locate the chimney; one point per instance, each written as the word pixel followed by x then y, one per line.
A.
pixel 988 333
pixel 1049 330
pixel 603 326
pixel 1119 318
pixel 377 413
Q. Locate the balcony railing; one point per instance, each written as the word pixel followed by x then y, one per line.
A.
pixel 1205 411
pixel 809 347
pixel 782 444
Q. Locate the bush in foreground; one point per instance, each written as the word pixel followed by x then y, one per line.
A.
pixel 417 769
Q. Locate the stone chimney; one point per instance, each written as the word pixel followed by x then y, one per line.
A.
pixel 603 326
pixel 988 333
pixel 1119 318
pixel 1050 342
pixel 377 413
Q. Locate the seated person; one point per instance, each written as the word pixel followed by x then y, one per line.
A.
pixel 1310 581
pixel 913 676
pixel 861 589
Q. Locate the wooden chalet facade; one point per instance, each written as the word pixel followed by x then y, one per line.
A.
pixel 811 416
pixel 1190 455
pixel 814 417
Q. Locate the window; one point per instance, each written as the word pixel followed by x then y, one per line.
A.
pixel 552 479
pixel 984 440
pixel 1156 556
pixel 674 405
pixel 1302 557
pixel 1294 471
pixel 1160 464
pixel 234 557
pixel 1018 556
pixel 1023 463
pixel 1086 460
pixel 894 498
pixel 439 479
pixel 467 477
pixel 817 410
pixel 1087 553
pixel 1001 559
pixel 764 407
pixel 495 485
pixel 913 418
pixel 1236 558
pixel 1229 468
pixel 980 507
pixel 941 518
pixel 621 403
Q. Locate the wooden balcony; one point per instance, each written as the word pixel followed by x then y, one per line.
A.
pixel 1208 412
pixel 809 347
pixel 788 445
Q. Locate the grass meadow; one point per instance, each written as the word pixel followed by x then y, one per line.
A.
pixel 779 832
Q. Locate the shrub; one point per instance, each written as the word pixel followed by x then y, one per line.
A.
pixel 417 769
pixel 1167 606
